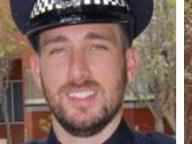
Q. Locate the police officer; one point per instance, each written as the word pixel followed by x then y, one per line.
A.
pixel 82 63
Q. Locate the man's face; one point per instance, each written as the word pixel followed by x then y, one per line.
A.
pixel 83 74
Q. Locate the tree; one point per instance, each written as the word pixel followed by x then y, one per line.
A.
pixel 9 45
pixel 188 71
pixel 157 75
pixel 4 69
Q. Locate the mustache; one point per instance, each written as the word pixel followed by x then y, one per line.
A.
pixel 71 85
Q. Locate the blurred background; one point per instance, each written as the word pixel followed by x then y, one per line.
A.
pixel 149 103
pixel 188 71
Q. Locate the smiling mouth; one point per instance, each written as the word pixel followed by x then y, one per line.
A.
pixel 82 97
pixel 81 94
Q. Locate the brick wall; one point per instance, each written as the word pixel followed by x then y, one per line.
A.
pixel 17 131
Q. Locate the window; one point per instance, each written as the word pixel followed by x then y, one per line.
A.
pixel 14 102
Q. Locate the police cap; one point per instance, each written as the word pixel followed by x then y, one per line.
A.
pixel 32 16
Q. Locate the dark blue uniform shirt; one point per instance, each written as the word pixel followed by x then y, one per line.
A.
pixel 123 135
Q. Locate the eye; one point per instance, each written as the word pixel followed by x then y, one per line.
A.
pixel 58 51
pixel 99 47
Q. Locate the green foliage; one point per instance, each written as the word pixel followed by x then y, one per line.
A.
pixel 9 42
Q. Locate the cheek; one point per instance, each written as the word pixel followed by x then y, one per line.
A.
pixel 54 75
pixel 108 72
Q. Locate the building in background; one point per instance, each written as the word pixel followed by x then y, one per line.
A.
pixel 15 103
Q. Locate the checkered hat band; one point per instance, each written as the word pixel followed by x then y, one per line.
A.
pixel 44 6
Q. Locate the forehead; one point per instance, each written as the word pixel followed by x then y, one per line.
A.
pixel 82 30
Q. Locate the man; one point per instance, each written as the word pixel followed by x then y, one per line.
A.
pixel 83 62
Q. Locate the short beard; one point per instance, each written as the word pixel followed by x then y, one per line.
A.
pixel 88 128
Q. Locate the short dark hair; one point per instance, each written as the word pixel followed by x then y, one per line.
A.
pixel 126 36
pixel 34 40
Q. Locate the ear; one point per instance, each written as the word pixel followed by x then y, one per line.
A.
pixel 35 68
pixel 132 59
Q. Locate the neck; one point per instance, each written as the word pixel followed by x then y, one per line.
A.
pixel 101 137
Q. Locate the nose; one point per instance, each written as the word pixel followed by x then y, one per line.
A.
pixel 79 69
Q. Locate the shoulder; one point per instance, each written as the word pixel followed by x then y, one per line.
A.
pixel 153 138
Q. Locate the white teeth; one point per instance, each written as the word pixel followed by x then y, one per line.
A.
pixel 81 95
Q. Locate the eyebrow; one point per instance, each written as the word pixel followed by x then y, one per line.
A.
pixel 100 36
pixel 60 38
